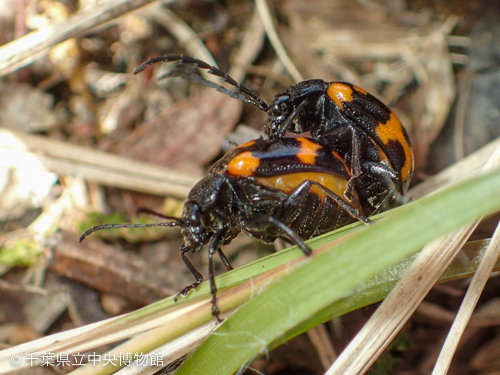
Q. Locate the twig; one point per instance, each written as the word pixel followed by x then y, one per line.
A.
pixel 461 169
pixel 25 150
pixel 468 304
pixel 184 34
pixel 265 16
pixel 32 46
pixel 473 293
pixel 324 348
pixel 22 288
pixel 462 101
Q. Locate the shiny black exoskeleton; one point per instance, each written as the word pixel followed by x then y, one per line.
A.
pixel 292 188
pixel 358 126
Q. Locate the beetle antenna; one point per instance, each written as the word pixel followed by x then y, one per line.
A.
pixel 196 78
pixel 251 97
pixel 148 211
pixel 177 222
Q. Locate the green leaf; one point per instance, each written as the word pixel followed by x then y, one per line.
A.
pixel 21 251
pixel 333 273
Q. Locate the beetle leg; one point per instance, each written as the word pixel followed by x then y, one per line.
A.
pixel 355 163
pixel 224 259
pixel 198 277
pixel 292 206
pixel 214 247
pixel 261 220
pixel 280 132
pixel 304 188
pixel 354 212
pixel 381 178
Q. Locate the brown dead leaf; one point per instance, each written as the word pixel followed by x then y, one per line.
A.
pixel 109 269
pixel 186 135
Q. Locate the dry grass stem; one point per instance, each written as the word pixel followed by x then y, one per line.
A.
pixel 173 350
pixel 392 314
pixel 30 47
pixel 467 167
pixel 19 149
pixel 184 34
pixel 265 15
pixel 474 291
pixel 323 345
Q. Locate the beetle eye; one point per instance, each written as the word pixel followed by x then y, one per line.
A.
pixel 193 216
pixel 280 105
pixel 194 220
pixel 276 110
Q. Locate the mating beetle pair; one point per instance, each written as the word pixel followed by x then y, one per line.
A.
pixel 363 130
pixel 357 163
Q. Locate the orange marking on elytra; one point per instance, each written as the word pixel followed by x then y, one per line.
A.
pixel 393 130
pixel 244 164
pixel 340 93
pixel 308 151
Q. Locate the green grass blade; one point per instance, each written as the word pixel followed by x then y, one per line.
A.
pixel 330 275
pixel 377 288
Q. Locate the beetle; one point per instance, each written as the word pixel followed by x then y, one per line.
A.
pixel 338 112
pixel 351 121
pixel 292 188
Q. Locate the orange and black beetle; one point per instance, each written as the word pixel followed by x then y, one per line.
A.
pixel 344 116
pixel 294 188
pixel 363 130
